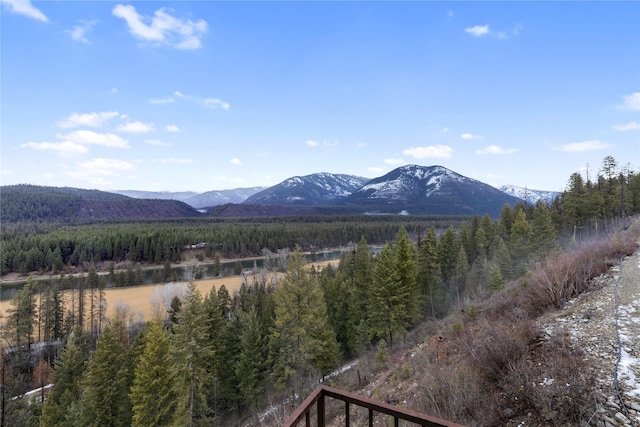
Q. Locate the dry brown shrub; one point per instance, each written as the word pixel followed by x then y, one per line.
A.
pixel 456 392
pixel 496 346
pixel 554 384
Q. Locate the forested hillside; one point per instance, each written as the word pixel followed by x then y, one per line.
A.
pixel 218 359
pixel 23 203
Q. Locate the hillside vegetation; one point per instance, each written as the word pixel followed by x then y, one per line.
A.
pixel 23 203
pixel 219 359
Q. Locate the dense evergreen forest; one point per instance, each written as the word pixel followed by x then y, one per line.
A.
pixel 72 205
pixel 222 357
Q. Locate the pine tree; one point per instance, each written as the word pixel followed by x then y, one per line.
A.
pixel 152 393
pixel 544 237
pixel 520 234
pixel 495 282
pixel 105 400
pixel 252 356
pixel 67 374
pixel 447 254
pixel 429 278
pixel 405 264
pixel 387 309
pixel 460 274
pixel 227 353
pixel 192 351
pixel 302 343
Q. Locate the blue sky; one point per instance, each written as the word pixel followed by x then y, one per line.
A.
pixel 209 95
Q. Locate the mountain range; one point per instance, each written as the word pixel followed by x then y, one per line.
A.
pixel 410 189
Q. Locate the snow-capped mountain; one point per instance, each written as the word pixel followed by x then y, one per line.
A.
pixel 221 197
pixel 315 189
pixel 530 196
pixel 430 190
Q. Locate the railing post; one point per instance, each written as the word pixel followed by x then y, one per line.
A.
pixel 346 415
pixel 321 410
pixel 370 417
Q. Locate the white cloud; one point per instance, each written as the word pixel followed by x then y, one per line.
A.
pixel 494 149
pixel 114 90
pixel 470 136
pixel 136 127
pixel 374 169
pixel 576 147
pixel 174 161
pixel 394 161
pixel 161 101
pixel 88 119
pixel 172 128
pixel 629 126
pixel 235 161
pixel 162 28
pixel 330 144
pixel 79 31
pixel 450 14
pixel 438 151
pixel 484 30
pixel 65 148
pixel 95 138
pixel 478 30
pixel 361 144
pixel 311 143
pixel 631 102
pixel 157 142
pixel 102 166
pixel 24 7
pixel 216 103
pixel 180 94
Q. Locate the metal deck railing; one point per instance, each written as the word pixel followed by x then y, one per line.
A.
pixel 318 398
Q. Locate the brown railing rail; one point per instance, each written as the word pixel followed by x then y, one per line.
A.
pixel 317 397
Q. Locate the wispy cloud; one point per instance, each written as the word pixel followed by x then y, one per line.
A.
pixel 470 136
pixel 87 119
pixel 629 126
pixel 374 169
pixel 576 147
pixel 485 30
pixel 103 166
pixel 235 161
pixel 64 149
pixel 163 28
pixel 631 102
pixel 432 151
pixel 478 30
pixel 494 149
pixel 216 103
pixel 24 7
pixel 171 128
pixel 79 31
pixel 361 144
pixel 209 102
pixel 136 127
pixel 312 143
pixel 95 138
pixel 174 161
pixel 160 101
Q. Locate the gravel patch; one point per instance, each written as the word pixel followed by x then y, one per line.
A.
pixel 595 322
